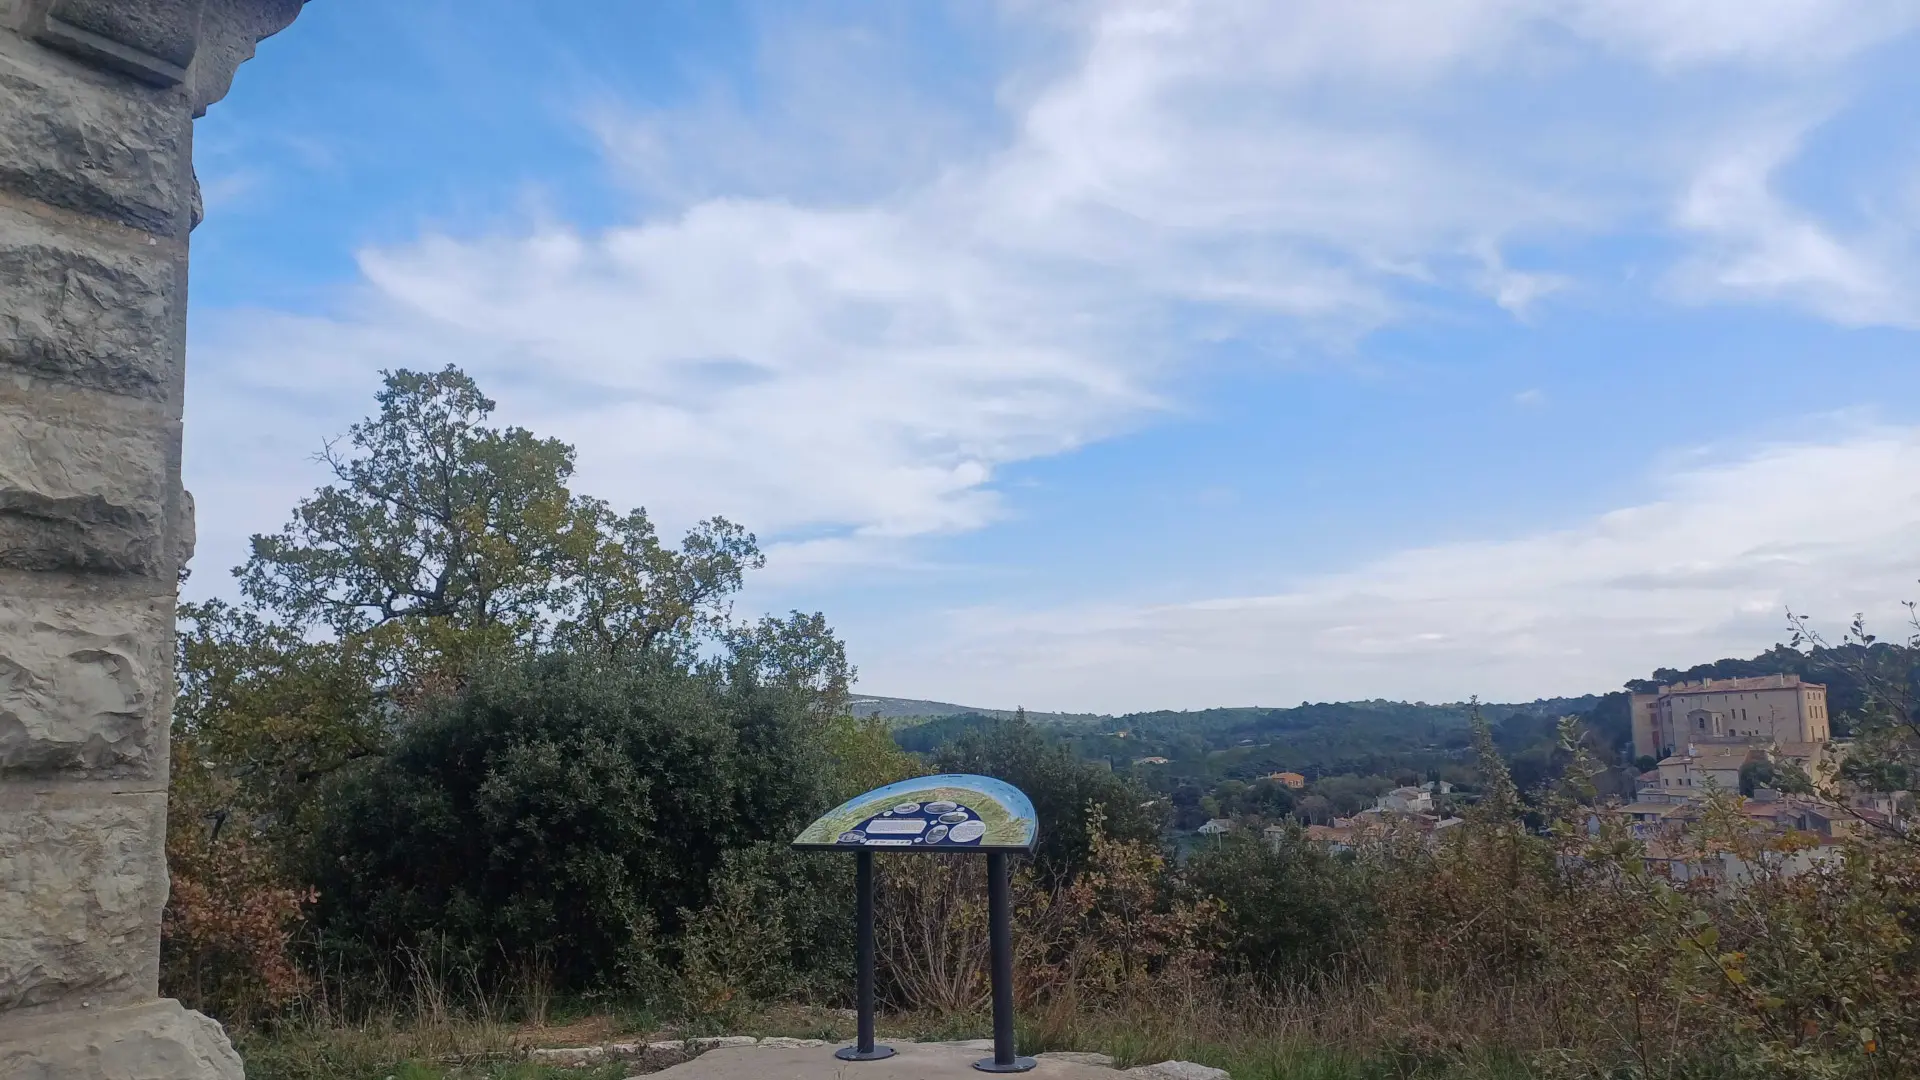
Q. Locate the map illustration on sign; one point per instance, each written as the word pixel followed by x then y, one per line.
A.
pixel 954 812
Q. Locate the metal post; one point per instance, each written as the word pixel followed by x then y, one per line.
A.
pixel 1000 936
pixel 863 1048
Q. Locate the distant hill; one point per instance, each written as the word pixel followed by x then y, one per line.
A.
pixel 1317 739
pixel 1175 750
pixel 894 708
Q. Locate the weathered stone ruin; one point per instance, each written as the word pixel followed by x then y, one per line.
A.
pixel 97 196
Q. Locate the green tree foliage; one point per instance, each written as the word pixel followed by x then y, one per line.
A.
pixel 476 709
pixel 622 592
pixel 1064 790
pixel 1266 799
pixel 1348 795
pixel 799 652
pixel 1755 775
pixel 432 515
pixel 443 539
pixel 775 926
pixel 866 757
pixel 1290 906
pixel 1499 798
pixel 1884 755
pixel 928 736
pixel 568 805
pixel 266 713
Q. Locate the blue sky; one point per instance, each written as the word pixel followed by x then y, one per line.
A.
pixel 1112 355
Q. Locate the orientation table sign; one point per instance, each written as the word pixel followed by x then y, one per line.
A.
pixel 951 813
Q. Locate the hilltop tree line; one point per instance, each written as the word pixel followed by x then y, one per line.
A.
pixel 1220 760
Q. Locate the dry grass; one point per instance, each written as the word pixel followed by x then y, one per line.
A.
pixel 1270 1041
pixel 1332 1029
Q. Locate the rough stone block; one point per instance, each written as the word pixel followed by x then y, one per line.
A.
pixel 569 1057
pixel 153 40
pixel 82 685
pixel 82 882
pixel 85 313
pixel 1178 1070
pixel 90 499
pixel 116 152
pixel 719 1042
pixel 155 1041
pixel 229 31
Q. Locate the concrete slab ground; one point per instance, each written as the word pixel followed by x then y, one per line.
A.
pixel 914 1061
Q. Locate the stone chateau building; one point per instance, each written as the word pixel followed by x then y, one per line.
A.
pixel 1765 709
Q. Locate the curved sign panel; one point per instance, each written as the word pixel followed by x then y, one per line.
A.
pixel 954 812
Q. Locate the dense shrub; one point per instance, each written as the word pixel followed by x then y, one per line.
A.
pixel 228 924
pixel 1114 932
pixel 1068 794
pixel 227 929
pixel 572 807
pixel 1291 907
pixel 778 924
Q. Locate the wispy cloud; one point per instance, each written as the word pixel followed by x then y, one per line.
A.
pixel 852 364
pixel 1755 32
pixel 1758 246
pixel 1706 568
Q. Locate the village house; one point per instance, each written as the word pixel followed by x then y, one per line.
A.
pixel 1647 787
pixel 1373 824
pixel 1215 827
pixel 1337 838
pixel 1706 767
pixel 1884 804
pixel 1288 779
pixel 1653 820
pixel 1405 800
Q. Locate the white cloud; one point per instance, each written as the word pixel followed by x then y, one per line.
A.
pixel 1704 570
pixel 1750 31
pixel 1758 246
pixel 851 372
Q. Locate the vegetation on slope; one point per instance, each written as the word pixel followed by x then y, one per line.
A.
pixel 482 754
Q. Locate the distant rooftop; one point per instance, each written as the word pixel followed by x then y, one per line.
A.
pixel 1752 682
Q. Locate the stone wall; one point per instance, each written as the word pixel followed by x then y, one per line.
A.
pixel 97 197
